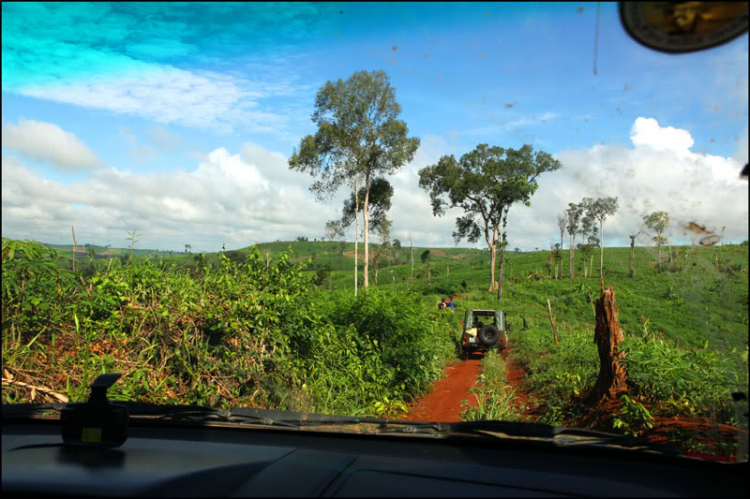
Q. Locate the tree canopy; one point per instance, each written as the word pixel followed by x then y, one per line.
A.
pixel 358 139
pixel 485 183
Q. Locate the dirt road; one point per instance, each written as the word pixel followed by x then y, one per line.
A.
pixel 444 403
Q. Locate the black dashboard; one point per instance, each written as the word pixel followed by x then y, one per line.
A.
pixel 262 462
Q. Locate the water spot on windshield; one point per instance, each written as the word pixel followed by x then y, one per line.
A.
pixel 394 48
pixel 510 105
pixel 580 10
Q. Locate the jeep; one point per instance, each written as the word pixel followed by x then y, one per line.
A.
pixel 483 330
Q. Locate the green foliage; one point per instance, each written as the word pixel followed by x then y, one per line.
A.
pixel 634 418
pixel 237 334
pixel 493 395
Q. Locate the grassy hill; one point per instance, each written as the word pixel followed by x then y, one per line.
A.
pixel 183 331
pixel 690 302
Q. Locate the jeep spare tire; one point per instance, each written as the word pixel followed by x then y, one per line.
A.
pixel 488 335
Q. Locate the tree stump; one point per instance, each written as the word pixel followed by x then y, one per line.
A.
pixel 613 377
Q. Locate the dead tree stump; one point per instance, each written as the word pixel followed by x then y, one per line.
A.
pixel 613 377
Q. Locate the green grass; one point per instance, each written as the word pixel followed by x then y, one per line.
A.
pixel 685 327
pixel 493 395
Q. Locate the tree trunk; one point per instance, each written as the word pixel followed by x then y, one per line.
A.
pixel 493 252
pixel 500 275
pixel 632 255
pixel 562 233
pixel 585 269
pixel 601 253
pixel 571 257
pixel 375 276
pixel 659 254
pixel 447 271
pixel 613 377
pixel 669 249
pixel 367 220
pixel 356 243
pixel 552 320
pixel 591 266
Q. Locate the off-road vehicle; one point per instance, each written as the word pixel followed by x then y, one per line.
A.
pixel 483 330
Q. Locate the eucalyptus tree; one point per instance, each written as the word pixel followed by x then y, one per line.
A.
pixel 658 222
pixel 359 138
pixel 601 209
pixel 575 213
pixel 381 193
pixel 485 183
pixel 562 223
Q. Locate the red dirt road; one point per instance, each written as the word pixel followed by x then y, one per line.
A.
pixel 444 403
pixel 514 374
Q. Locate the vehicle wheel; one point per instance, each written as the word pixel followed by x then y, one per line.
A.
pixel 489 335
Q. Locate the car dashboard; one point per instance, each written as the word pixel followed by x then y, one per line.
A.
pixel 163 460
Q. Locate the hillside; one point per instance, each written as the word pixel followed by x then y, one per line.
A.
pixel 234 331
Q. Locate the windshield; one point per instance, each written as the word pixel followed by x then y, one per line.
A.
pixel 301 207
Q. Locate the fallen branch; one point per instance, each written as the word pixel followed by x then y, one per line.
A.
pixel 34 389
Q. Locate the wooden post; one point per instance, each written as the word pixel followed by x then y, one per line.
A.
pixel 552 320
pixel 613 378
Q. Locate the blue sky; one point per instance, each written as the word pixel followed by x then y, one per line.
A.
pixel 160 111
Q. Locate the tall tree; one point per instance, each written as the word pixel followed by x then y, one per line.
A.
pixel 562 224
pixel 601 209
pixel 658 222
pixel 381 193
pixel 587 231
pixel 359 138
pixel 384 251
pixel 485 183
pixel 575 214
pixel 632 249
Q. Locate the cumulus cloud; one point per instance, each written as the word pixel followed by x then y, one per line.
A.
pixel 659 173
pixel 226 199
pixel 646 132
pixel 48 142
pixel 252 196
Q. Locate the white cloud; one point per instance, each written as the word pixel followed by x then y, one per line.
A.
pixel 646 132
pixel 164 140
pixel 658 173
pixel 50 143
pixel 228 199
pixel 252 196
pixel 510 125
pixel 166 94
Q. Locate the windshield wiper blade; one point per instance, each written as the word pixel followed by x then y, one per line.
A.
pixel 556 434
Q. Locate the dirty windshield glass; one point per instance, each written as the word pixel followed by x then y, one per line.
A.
pixel 429 212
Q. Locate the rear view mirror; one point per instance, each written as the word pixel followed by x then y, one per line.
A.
pixel 679 27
